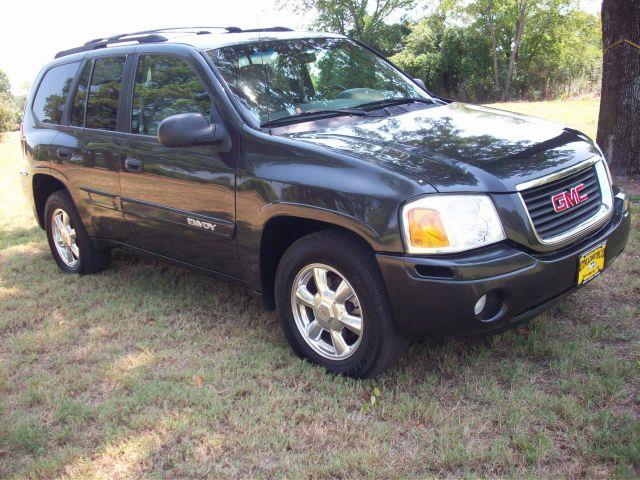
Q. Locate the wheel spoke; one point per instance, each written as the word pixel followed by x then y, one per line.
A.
pixel 304 295
pixel 352 322
pixel 68 254
pixel 339 344
pixel 75 250
pixel 343 292
pixel 314 330
pixel 58 221
pixel 65 218
pixel 320 277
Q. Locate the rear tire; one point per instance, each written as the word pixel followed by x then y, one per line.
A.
pixel 70 245
pixel 354 337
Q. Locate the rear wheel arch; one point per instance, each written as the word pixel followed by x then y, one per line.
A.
pixel 43 186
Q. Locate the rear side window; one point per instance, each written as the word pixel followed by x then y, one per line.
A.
pixel 104 92
pixel 165 86
pixel 80 97
pixel 50 100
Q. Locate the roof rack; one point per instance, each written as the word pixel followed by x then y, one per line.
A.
pixel 103 42
pixel 153 36
pixel 266 29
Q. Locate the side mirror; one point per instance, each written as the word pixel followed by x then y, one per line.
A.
pixel 190 130
pixel 420 83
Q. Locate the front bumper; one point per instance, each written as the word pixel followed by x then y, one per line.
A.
pixel 436 296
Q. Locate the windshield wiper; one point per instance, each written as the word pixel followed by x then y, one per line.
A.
pixel 387 102
pixel 315 113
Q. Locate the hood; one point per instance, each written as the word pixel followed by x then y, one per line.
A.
pixel 455 147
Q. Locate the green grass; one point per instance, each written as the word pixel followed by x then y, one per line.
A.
pixel 581 114
pixel 149 371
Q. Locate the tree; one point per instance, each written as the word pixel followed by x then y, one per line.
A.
pixel 370 21
pixel 471 49
pixel 8 111
pixel 618 129
pixel 522 12
pixel 5 85
pixel 494 48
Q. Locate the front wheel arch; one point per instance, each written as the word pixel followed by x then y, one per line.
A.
pixel 279 233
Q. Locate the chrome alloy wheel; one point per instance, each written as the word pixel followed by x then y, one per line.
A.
pixel 327 311
pixel 64 238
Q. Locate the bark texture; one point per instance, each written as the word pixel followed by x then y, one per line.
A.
pixel 494 49
pixel 516 46
pixel 619 119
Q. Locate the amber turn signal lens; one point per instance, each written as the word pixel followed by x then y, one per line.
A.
pixel 426 229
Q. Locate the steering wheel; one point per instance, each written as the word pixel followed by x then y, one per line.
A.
pixel 335 87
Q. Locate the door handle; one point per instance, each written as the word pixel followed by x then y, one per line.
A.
pixel 133 165
pixel 63 153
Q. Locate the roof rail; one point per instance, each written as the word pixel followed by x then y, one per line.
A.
pixel 152 36
pixel 266 29
pixel 196 30
pixel 103 42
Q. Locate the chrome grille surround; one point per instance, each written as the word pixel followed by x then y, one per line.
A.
pixel 599 218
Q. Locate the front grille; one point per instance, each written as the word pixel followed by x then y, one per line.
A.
pixel 546 221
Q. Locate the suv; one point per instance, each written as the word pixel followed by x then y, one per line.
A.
pixel 306 166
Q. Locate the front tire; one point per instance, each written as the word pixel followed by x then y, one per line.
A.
pixel 333 305
pixel 70 245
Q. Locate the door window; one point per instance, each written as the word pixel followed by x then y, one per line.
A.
pixel 50 100
pixel 80 97
pixel 104 92
pixel 165 86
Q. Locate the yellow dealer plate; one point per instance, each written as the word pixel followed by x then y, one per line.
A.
pixel 591 263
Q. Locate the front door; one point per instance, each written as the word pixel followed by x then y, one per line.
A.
pixel 178 202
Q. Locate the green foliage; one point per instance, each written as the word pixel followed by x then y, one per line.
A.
pixel 5 85
pixel 9 113
pixel 452 49
pixel 368 21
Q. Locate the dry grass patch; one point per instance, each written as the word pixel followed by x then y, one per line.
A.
pixel 150 371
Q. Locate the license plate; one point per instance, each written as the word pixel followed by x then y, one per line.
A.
pixel 591 263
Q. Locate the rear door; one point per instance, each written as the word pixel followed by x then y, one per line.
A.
pixel 89 150
pixel 178 202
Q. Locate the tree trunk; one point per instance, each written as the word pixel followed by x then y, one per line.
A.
pixel 618 123
pixel 492 27
pixel 514 50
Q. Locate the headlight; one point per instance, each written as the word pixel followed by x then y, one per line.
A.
pixel 450 223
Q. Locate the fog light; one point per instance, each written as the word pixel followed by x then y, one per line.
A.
pixel 490 306
pixel 480 304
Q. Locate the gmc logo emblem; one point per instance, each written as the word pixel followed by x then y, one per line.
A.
pixel 563 200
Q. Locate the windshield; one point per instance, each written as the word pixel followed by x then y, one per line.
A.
pixel 280 79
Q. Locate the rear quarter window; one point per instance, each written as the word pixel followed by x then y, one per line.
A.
pixel 51 97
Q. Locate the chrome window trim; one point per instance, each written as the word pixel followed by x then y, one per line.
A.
pixel 598 219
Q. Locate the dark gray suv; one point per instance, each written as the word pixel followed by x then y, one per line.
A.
pixel 306 166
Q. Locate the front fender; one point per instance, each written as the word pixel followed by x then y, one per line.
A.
pixel 311 212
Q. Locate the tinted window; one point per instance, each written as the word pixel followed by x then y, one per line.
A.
pixel 50 100
pixel 282 79
pixel 102 104
pixel 80 98
pixel 165 86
